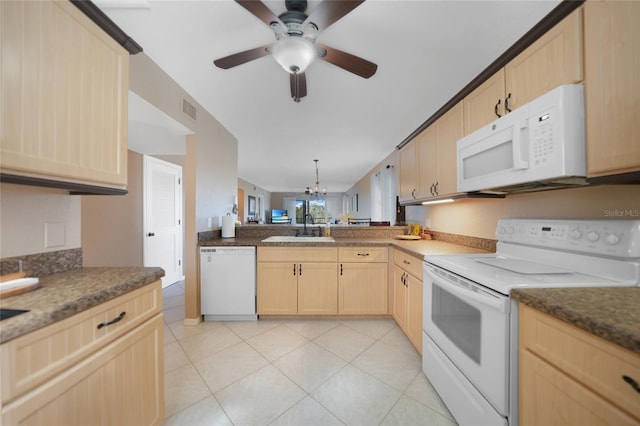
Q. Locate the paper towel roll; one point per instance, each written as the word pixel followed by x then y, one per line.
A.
pixel 228 226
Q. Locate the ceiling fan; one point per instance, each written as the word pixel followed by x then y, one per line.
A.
pixel 295 47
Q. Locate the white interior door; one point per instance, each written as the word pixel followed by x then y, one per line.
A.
pixel 163 218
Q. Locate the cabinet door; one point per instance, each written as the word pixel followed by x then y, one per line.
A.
pixel 448 131
pixel 121 384
pixel 427 150
pixel 408 172
pixel 414 311
pixel 481 105
pixel 552 60
pixel 399 297
pixel 549 397
pixel 317 289
pixel 612 63
pixel 363 289
pixel 64 93
pixel 277 288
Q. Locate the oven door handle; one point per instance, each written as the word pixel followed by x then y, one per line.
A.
pixel 462 290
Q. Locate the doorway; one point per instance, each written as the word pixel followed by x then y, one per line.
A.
pixel 162 212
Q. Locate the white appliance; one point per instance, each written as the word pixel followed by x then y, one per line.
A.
pixel 228 283
pixel 540 145
pixel 470 340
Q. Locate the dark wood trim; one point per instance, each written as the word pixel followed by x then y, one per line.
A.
pixel 103 21
pixel 621 178
pixel 73 188
pixel 555 16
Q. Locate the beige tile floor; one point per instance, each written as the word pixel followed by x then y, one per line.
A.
pixel 293 372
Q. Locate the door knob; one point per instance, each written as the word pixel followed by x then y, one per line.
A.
pixel 151 234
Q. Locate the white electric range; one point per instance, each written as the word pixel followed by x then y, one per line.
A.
pixel 470 324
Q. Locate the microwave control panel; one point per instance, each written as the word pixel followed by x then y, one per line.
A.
pixel 605 237
pixel 541 137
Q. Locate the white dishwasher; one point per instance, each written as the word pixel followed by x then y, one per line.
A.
pixel 228 283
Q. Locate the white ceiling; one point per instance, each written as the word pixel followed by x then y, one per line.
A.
pixel 426 51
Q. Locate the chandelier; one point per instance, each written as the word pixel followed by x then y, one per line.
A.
pixel 315 191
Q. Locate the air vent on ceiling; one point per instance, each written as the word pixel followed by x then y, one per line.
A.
pixel 188 109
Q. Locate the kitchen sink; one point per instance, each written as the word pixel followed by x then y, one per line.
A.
pixel 8 313
pixel 294 239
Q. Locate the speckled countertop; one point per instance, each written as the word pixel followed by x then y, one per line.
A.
pixel 418 248
pixel 612 313
pixel 67 293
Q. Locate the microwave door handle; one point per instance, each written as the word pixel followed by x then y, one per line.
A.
pixel 519 129
pixel 488 300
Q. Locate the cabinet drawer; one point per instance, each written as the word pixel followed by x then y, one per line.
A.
pixel 409 263
pixel 30 360
pixel 588 359
pixel 362 254
pixel 297 254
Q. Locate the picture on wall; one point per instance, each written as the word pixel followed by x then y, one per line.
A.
pixel 252 205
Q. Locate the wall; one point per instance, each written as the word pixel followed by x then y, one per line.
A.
pixel 210 166
pixel 251 189
pixel 363 186
pixel 479 217
pixel 112 226
pixel 28 212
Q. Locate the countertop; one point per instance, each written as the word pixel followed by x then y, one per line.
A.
pixel 67 293
pixel 612 313
pixel 419 248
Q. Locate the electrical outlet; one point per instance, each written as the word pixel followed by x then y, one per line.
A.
pixel 209 222
pixel 427 223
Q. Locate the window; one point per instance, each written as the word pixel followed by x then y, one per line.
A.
pixel 316 208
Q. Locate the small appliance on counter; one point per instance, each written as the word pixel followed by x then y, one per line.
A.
pixel 228 226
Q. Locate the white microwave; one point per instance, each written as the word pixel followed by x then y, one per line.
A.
pixel 540 145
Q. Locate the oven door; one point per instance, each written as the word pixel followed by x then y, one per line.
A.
pixel 470 325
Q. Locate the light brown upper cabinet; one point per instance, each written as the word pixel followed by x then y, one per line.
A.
pixel 612 86
pixel 408 172
pixel 552 60
pixel 64 92
pixel 436 147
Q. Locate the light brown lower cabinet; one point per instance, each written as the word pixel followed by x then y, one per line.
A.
pixel 121 384
pixel 362 281
pixel 297 281
pixel 407 296
pixel 571 377
pixel 74 373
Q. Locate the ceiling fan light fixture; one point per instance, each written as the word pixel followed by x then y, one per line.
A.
pixel 294 54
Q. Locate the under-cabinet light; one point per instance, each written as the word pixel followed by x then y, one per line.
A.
pixel 446 200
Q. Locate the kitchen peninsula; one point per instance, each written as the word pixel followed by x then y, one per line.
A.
pixel 360 271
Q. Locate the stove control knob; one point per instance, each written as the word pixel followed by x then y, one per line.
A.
pixel 510 229
pixel 613 239
pixel 575 234
pixel 593 236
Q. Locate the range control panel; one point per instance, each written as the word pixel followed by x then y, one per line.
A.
pixel 619 238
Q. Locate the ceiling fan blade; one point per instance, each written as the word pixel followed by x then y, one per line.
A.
pixel 261 11
pixel 329 11
pixel 347 61
pixel 298 83
pixel 242 57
